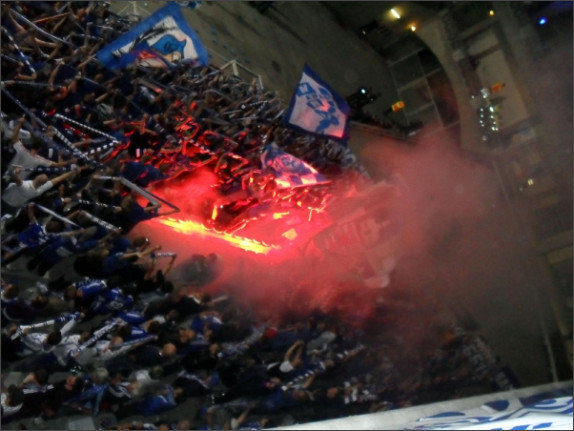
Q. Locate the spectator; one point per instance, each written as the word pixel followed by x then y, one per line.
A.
pixel 18 193
pixel 12 402
pixel 154 125
pixel 89 400
pixel 149 356
pixel 46 405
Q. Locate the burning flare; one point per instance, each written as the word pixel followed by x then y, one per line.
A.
pixel 189 227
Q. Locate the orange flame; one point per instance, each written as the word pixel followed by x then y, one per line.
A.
pixel 277 216
pixel 189 227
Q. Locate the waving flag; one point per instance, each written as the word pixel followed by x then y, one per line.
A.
pixel 289 171
pixel 317 108
pixel 162 40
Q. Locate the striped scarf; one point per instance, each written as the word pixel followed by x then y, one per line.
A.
pixel 63 318
pixel 97 335
pixel 102 223
pixel 20 53
pixel 50 169
pixel 86 127
pixel 43 32
pixel 68 149
pixel 36 84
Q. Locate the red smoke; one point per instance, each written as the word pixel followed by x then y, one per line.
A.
pixel 292 260
pixel 443 228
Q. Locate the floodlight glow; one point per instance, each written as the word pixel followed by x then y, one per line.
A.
pixel 395 13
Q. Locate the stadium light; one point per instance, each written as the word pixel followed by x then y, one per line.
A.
pixel 395 14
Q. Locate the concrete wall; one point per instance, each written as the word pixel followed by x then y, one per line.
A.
pixel 277 44
pixel 494 68
pixel 433 35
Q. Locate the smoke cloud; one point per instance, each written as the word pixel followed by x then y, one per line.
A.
pixel 444 231
pixel 461 248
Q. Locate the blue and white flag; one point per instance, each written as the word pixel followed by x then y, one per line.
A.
pixel 317 108
pixel 162 40
pixel 288 170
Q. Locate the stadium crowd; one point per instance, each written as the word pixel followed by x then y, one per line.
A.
pixel 113 334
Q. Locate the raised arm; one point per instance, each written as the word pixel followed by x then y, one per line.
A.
pixel 15 175
pixel 294 351
pixel 16 131
pixel 55 72
pixel 62 177
pixel 31 215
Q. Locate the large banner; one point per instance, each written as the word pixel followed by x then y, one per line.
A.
pixel 162 40
pixel 364 222
pixel 547 407
pixel 288 170
pixel 316 108
pixel 546 410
